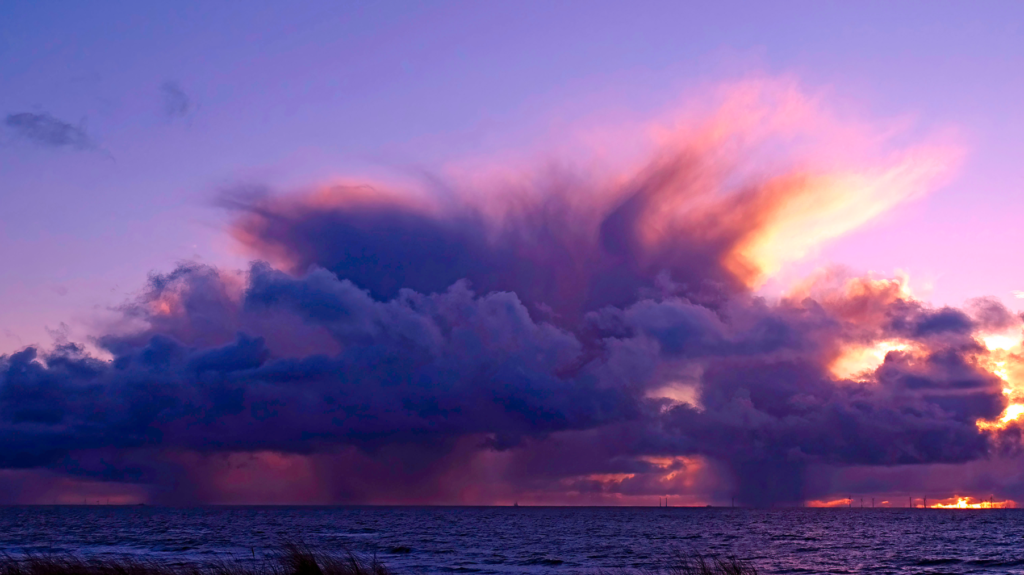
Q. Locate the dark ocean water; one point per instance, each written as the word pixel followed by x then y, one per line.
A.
pixel 537 539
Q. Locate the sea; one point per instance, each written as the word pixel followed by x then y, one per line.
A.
pixel 557 540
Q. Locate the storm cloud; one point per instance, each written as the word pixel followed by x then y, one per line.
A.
pixel 578 339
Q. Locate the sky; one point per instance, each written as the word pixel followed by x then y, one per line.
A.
pixel 610 222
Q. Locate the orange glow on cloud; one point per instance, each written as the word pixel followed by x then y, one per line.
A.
pixel 845 502
pixel 860 300
pixel 167 303
pixel 1004 359
pixel 814 209
pixel 680 479
pixel 788 210
pixel 858 362
pixel 957 502
pixel 676 471
pixel 678 392
pixel 769 173
pixel 863 302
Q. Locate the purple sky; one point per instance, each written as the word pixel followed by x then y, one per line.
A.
pixel 126 124
pixel 289 95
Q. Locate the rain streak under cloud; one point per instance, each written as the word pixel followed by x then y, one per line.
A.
pixel 545 336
